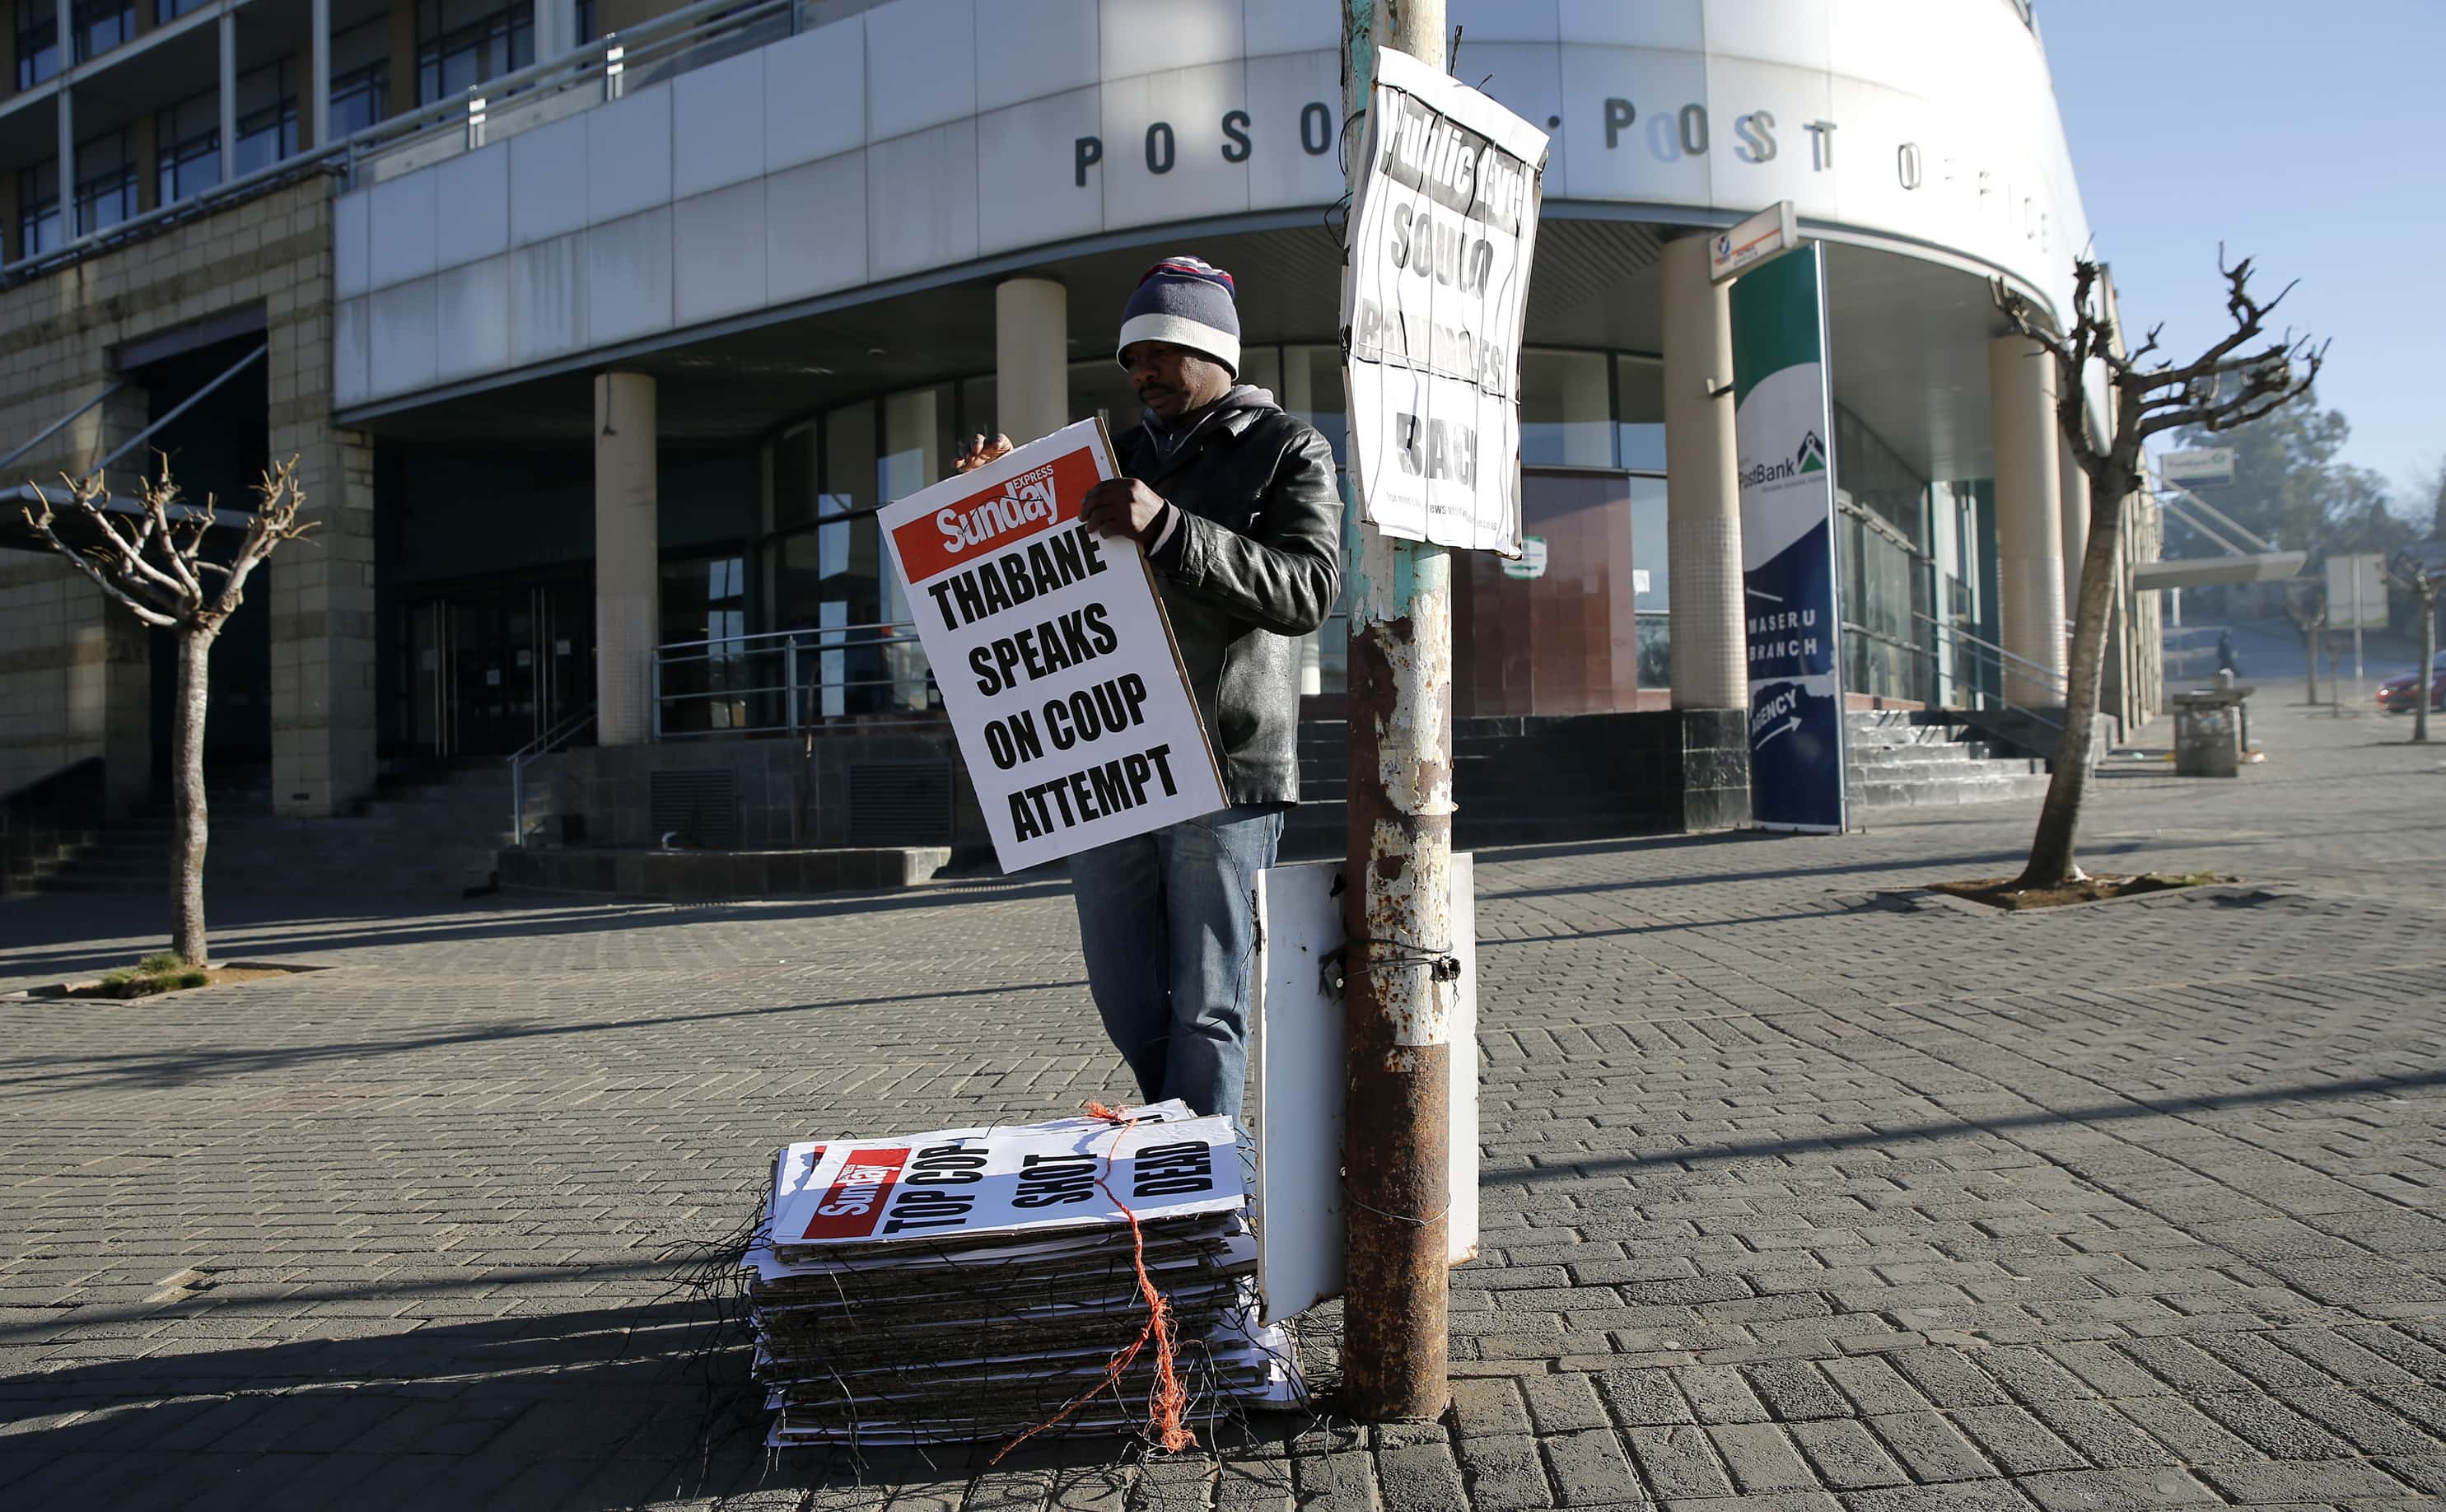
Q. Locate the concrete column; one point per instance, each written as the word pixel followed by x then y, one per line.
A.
pixel 1031 358
pixel 628 606
pixel 2029 518
pixel 66 125
pixel 318 49
pixel 2074 500
pixel 229 95
pixel 1710 662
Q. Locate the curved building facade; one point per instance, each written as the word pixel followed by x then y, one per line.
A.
pixel 621 348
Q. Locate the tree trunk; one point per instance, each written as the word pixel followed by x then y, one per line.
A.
pixel 2424 686
pixel 2051 849
pixel 2310 660
pixel 187 792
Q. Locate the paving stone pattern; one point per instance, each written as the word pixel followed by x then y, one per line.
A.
pixel 1801 1191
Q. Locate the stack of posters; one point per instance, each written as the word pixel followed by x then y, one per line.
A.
pixel 980 1283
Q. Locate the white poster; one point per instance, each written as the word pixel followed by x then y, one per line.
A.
pixel 1053 654
pixel 960 1182
pixel 1442 231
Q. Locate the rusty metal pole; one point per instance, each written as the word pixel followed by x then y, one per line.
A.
pixel 1397 912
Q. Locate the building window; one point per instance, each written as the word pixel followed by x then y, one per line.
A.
pixel 462 43
pixel 101 25
pixel 165 11
pixel 187 139
pixel 267 120
pixel 584 20
pixel 105 181
pixel 38 208
pixel 38 42
pixel 360 77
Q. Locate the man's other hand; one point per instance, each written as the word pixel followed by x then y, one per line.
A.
pixel 980 451
pixel 1121 507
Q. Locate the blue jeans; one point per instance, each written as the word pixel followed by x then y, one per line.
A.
pixel 1168 923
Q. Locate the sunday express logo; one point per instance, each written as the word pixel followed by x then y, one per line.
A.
pixel 1055 667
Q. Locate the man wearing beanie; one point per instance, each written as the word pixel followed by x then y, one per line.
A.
pixel 1236 505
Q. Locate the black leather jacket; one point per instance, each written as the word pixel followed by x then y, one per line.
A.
pixel 1255 564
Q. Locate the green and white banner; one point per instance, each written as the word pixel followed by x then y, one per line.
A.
pixel 1783 425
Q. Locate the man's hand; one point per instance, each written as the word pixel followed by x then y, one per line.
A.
pixel 1121 507
pixel 980 451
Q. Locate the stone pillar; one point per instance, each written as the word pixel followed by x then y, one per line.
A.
pixel 1710 665
pixel 1031 358
pixel 2029 513
pixel 2076 528
pixel 628 607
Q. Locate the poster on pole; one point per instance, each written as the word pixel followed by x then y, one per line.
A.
pixel 1443 229
pixel 1054 657
pixel 1783 429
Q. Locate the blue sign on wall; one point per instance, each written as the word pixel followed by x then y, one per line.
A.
pixel 1783 425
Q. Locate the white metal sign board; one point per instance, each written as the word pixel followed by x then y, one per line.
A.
pixel 1761 236
pixel 1055 659
pixel 2199 468
pixel 2357 592
pixel 1300 1091
pixel 1443 229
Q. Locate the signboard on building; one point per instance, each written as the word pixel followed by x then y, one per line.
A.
pixel 1053 654
pixel 1754 241
pixel 1783 427
pixel 1442 231
pixel 2201 468
pixel 2357 592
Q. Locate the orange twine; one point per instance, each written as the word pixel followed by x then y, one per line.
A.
pixel 1168 1404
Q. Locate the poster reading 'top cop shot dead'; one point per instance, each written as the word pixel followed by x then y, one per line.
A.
pixel 1442 231
pixel 1054 657
pixel 1783 430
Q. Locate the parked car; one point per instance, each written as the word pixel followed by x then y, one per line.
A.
pixel 2396 697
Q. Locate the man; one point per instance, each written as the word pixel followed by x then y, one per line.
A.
pixel 1236 507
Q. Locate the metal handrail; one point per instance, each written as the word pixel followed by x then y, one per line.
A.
pixel 543 745
pixel 2043 672
pixel 606 63
pixel 592 63
pixel 789 646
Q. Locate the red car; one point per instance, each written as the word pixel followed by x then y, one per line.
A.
pixel 2396 697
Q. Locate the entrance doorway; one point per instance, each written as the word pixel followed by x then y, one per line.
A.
pixel 498 667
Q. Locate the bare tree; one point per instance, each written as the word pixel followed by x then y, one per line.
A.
pixel 151 560
pixel 2237 380
pixel 2423 581
pixel 2309 612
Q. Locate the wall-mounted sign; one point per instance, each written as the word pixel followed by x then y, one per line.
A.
pixel 1754 241
pixel 2202 468
pixel 1442 231
pixel 1053 654
pixel 1783 425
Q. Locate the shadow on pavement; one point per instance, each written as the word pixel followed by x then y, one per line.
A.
pixel 584 1411
pixel 137 917
pixel 2101 1113
pixel 89 1071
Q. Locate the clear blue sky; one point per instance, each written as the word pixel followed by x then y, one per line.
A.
pixel 2309 135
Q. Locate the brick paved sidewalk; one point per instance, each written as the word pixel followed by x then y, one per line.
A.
pixel 1795 1193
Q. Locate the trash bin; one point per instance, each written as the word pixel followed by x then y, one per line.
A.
pixel 2207 734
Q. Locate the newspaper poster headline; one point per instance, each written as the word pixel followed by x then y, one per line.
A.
pixel 1055 660
pixel 1443 230
pixel 963 1181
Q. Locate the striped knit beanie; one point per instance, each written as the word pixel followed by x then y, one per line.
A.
pixel 1187 303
